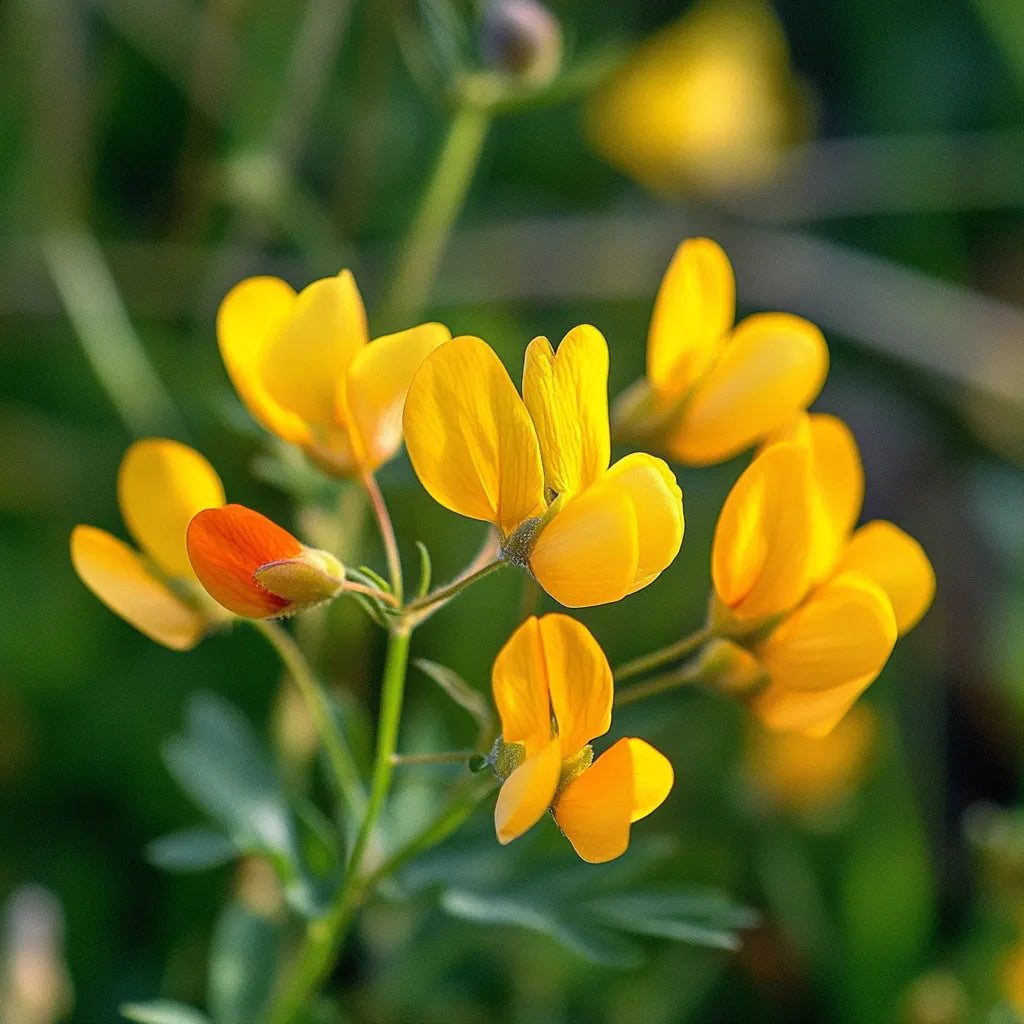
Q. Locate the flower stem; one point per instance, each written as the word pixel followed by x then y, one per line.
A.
pixel 438 210
pixel 387 534
pixel 442 757
pixel 664 656
pixel 342 763
pixel 659 684
pixel 426 606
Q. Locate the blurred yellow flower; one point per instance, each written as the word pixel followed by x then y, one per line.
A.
pixel 537 466
pixel 805 774
pixel 1011 978
pixel 818 605
pixel 304 366
pixel 714 389
pixel 553 690
pixel 161 485
pixel 707 104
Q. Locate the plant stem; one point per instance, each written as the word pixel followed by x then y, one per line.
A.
pixel 664 656
pixel 379 595
pixel 659 684
pixel 442 757
pixel 438 210
pixel 342 763
pixel 425 606
pixel 387 535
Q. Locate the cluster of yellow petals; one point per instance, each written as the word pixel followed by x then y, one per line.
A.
pixel 537 466
pixel 306 369
pixel 553 690
pixel 819 603
pixel 161 485
pixel 715 388
pixel 709 103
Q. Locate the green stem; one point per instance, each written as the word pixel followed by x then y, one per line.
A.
pixel 664 656
pixel 438 210
pixel 387 535
pixel 659 684
pixel 442 757
pixel 342 763
pixel 425 606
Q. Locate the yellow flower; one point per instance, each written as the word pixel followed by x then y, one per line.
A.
pixel 553 690
pixel 304 366
pixel 714 389
pixel 537 466
pixel 804 774
pixel 161 485
pixel 709 103
pixel 819 606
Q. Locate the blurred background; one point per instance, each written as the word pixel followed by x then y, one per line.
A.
pixel 863 165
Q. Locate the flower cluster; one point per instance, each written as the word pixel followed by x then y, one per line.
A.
pixel 806 608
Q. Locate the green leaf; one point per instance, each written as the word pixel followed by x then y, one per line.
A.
pixel 163 1011
pixel 425 569
pixel 220 763
pixel 459 690
pixel 242 962
pixel 191 849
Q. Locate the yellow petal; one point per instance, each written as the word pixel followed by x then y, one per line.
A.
pixel 161 485
pixel 519 681
pixel 694 310
pixel 595 810
pixel 287 353
pixel 772 367
pixel 527 793
pixel 838 471
pixel 566 394
pixel 377 383
pixel 589 552
pixel 898 564
pixel 118 576
pixel 580 682
pixel 763 546
pixel 470 438
pixel 658 506
pixel 824 654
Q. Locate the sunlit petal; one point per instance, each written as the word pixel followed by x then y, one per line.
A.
pixel 764 543
pixel 527 793
pixel 580 682
pixel 566 394
pixel 470 438
pixel 377 383
pixel 694 310
pixel 658 507
pixel 227 546
pixel 813 713
pixel 772 367
pixel 589 552
pixel 519 680
pixel 161 485
pixel 898 564
pixel 119 577
pixel 595 810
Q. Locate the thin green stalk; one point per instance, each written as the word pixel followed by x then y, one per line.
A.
pixel 439 208
pixel 342 763
pixel 425 606
pixel 387 535
pixel 664 656
pixel 659 684
pixel 441 757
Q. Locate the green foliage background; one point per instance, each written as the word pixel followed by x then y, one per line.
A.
pixel 100 133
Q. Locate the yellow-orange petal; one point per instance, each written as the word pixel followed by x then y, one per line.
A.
pixel 227 545
pixel 589 552
pixel 376 385
pixel 566 393
pixel 596 809
pixel 771 368
pixel 470 438
pixel 898 564
pixel 519 682
pixel 286 353
pixel 764 542
pixel 694 311
pixel 579 680
pixel 814 714
pixel 120 578
pixel 658 507
pixel 161 485
pixel 527 793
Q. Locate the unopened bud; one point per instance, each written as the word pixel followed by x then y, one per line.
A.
pixel 309 578
pixel 729 668
pixel 521 39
